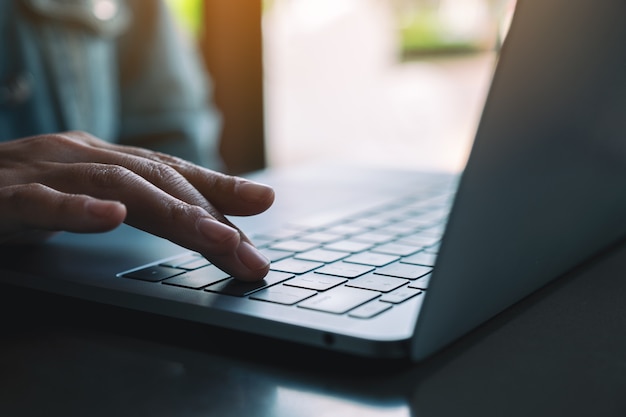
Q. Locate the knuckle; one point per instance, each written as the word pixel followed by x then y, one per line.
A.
pixel 173 182
pixel 167 159
pixel 164 172
pixel 21 199
pixel 21 195
pixel 179 211
pixel 57 139
pixel 108 176
pixel 83 138
pixel 42 142
pixel 62 143
pixel 68 137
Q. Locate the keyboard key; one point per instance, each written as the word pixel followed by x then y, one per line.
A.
pixel 198 278
pixel 276 255
pixel 400 270
pixel 377 283
pixel 198 262
pixel 435 215
pixel 240 289
pixel 369 222
pixel 317 282
pixel 346 270
pixel 279 234
pixel 351 246
pixel 420 258
pixel 421 283
pixel 282 294
pixel 401 228
pixel 434 249
pixel 414 224
pixel 434 231
pixel 400 295
pixel 322 255
pixel 369 310
pixel 392 215
pixel 321 237
pixel 420 240
pixel 339 300
pixel 373 259
pixel 174 263
pixel 153 273
pixel 398 249
pixel 261 242
pixel 374 237
pixel 294 246
pixel 345 229
pixel 295 266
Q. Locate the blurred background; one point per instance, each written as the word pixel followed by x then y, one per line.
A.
pixel 394 83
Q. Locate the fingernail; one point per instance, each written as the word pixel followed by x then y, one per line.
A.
pixel 101 208
pixel 251 257
pixel 253 191
pixel 215 231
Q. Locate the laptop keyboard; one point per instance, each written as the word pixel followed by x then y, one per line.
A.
pixel 361 266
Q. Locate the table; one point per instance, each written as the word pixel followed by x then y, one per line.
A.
pixel 560 352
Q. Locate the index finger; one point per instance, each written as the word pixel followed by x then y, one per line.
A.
pixel 155 211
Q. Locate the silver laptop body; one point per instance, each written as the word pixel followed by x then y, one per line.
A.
pixel 544 189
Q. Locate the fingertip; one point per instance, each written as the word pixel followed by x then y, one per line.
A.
pixel 246 263
pixel 256 263
pixel 254 192
pixel 112 212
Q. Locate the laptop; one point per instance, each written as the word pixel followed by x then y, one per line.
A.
pixel 399 264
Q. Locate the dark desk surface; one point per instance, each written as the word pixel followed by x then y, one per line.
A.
pixel 562 352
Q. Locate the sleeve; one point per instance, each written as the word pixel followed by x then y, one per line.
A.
pixel 165 92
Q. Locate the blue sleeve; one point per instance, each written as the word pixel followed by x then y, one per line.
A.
pixel 130 77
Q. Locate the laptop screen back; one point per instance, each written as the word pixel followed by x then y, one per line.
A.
pixel 545 184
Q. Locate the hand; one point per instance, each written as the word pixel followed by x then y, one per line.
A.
pixel 75 182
